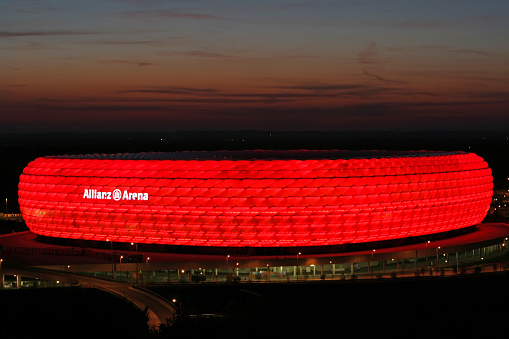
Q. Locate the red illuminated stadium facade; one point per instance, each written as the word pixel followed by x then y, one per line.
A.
pixel 254 198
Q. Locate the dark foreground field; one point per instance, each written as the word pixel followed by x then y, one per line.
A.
pixel 397 307
pixel 67 313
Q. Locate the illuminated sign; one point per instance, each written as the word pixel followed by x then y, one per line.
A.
pixel 115 195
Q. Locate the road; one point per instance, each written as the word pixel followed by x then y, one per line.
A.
pixel 159 309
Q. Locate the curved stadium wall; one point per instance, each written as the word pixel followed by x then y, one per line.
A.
pixel 254 198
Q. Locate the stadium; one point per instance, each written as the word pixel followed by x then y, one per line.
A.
pixel 255 199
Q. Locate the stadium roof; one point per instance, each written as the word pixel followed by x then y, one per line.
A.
pixel 259 155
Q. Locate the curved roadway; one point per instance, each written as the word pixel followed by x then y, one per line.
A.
pixel 159 309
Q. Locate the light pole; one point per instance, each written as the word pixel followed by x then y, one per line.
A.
pixel 148 271
pixel 501 257
pixel 372 258
pixel 179 307
pixel 298 253
pixel 427 254
pixel 136 259
pixel 228 257
pixel 112 257
pixel 6 206
pixel 436 269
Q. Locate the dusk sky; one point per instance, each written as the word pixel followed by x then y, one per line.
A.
pixel 147 65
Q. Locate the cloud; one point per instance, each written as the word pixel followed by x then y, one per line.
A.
pixel 110 42
pixel 147 14
pixel 137 63
pixel 14 34
pixel 435 23
pixel 369 55
pixel 382 79
pixel 171 90
pixel 438 48
pixel 472 51
pixel 204 53
pixel 179 15
pixel 15 85
pixel 237 111
pixel 324 87
pixel 293 93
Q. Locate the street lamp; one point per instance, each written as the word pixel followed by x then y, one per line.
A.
pixel 179 307
pixel 68 275
pixel 298 253
pixel 501 257
pixel 136 258
pixel 427 253
pixel 6 206
pixel 233 269
pixel 372 259
pixel 436 269
pixel 112 257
